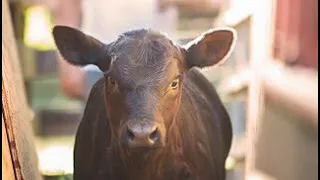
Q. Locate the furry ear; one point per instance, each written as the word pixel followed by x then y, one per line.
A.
pixel 211 48
pixel 80 49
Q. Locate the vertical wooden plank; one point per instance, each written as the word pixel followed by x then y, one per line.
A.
pixel 8 41
pixel 7 168
pixel 16 113
pixel 260 48
pixel 296 39
pixel 287 28
pixel 308 34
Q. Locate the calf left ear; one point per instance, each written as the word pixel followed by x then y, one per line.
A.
pixel 81 49
pixel 211 48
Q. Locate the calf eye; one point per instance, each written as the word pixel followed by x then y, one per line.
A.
pixel 175 83
pixel 112 81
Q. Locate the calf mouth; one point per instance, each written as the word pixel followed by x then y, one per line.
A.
pixel 145 153
pixel 146 149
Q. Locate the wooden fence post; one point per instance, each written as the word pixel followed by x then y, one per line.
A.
pixel 16 117
pixel 261 51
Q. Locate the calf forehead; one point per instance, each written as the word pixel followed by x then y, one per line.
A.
pixel 144 48
pixel 138 75
pixel 143 57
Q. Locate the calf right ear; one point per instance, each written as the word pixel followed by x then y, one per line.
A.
pixel 80 49
pixel 211 48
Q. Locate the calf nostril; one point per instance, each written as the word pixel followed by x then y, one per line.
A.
pixel 130 135
pixel 154 135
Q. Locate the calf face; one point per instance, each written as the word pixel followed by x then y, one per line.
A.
pixel 144 73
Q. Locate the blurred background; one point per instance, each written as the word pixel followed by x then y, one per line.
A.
pixel 269 83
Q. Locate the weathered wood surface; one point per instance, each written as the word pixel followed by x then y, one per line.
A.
pixel 16 113
pixel 7 168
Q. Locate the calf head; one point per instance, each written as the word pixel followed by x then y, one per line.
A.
pixel 144 72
